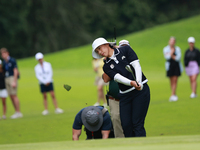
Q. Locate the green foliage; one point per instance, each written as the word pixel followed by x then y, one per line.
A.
pixel 29 26
pixel 73 67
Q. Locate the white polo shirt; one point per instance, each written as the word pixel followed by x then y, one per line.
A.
pixel 44 73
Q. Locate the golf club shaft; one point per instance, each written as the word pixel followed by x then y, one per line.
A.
pixel 135 78
pixel 128 68
pixel 115 35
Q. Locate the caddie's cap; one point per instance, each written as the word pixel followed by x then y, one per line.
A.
pixel 92 118
pixel 123 42
pixel 38 56
pixel 191 40
pixel 97 43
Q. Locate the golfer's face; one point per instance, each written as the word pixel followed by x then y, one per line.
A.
pixel 102 50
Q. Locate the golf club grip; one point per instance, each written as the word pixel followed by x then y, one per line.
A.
pixel 137 83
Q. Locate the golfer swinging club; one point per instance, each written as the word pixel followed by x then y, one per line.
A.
pixel 134 99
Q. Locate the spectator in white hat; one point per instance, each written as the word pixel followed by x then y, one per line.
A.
pixel 192 63
pixel 123 43
pixel 44 73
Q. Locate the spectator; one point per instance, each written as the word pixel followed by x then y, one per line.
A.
pixel 44 73
pixel 173 66
pixel 3 91
pixel 192 63
pixel 98 68
pixel 97 122
pixel 134 98
pixel 11 74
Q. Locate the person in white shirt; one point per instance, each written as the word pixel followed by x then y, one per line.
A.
pixel 44 73
pixel 173 66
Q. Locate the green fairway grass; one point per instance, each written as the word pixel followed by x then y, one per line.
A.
pixel 151 143
pixel 74 67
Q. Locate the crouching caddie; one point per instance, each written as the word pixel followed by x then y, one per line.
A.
pixel 97 122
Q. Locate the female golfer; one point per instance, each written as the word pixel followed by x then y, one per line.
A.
pixel 134 99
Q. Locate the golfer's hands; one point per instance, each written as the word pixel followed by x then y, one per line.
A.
pixel 134 84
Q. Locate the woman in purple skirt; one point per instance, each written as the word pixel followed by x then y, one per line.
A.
pixel 192 63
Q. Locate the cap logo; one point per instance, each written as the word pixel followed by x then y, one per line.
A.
pixel 123 57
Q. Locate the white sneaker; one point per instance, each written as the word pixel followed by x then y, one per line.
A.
pixel 20 114
pixel 4 117
pixel 45 112
pixel 16 115
pixel 59 111
pixel 173 98
pixel 193 95
pixel 96 104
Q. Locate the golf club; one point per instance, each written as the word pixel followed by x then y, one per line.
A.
pixel 128 68
pixel 115 36
pixel 67 87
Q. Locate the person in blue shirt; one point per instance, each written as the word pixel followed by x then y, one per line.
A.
pixel 134 99
pixel 97 122
pixel 11 76
pixel 3 91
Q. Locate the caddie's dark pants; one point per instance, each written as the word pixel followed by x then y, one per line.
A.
pixel 133 110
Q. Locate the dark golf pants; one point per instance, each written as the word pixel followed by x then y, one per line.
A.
pixel 133 110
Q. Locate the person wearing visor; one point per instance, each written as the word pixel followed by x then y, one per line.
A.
pixel 97 122
pixel 44 73
pixel 134 95
pixel 192 63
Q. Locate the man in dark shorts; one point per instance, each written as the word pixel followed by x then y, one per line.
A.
pixel 97 122
pixel 44 73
